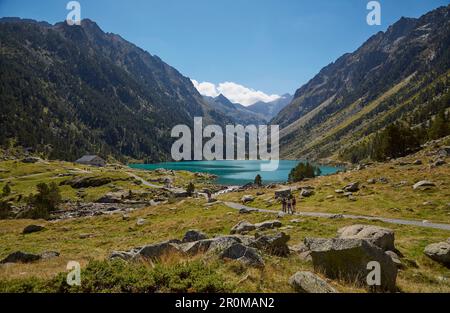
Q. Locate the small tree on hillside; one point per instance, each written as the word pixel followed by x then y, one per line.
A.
pixel 6 190
pixel 45 201
pixel 190 188
pixel 258 180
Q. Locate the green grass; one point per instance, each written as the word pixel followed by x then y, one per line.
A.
pixel 172 220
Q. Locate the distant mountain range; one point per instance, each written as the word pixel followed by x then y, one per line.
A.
pixel 236 112
pixel 270 109
pixel 72 90
pixel 397 74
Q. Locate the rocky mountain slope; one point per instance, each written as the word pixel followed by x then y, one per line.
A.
pixel 394 75
pixel 270 109
pixel 237 113
pixel 71 90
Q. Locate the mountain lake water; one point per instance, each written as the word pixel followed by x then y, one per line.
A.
pixel 235 172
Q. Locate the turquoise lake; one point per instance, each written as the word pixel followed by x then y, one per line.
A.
pixel 235 173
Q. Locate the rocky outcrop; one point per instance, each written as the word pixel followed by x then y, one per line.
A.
pixel 348 259
pixel 157 250
pixel 307 282
pixel 247 198
pixel 268 225
pixel 439 252
pixel 382 237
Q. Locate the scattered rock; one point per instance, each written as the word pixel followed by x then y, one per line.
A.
pixel 339 191
pixel 381 237
pixel 383 180
pixel 439 252
pixel 303 252
pixel 336 216
pixel 347 259
pixel 306 193
pixel 424 184
pixel 296 221
pixel 283 193
pixel 32 229
pixel 242 227
pixel 247 198
pixel 246 211
pixel 268 225
pixel 307 282
pixel 49 255
pixel 244 254
pixel 20 257
pixel 371 181
pixel 352 187
pixel 30 160
pixel 194 235
pixel 140 222
pixel 417 162
pixel 125 217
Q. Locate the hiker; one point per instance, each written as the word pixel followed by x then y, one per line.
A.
pixel 283 202
pixel 289 206
pixel 294 203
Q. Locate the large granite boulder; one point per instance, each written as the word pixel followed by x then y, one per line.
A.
pixel 273 244
pixel 244 254
pixel 379 236
pixel 439 252
pixel 307 282
pixel 348 259
pixel 157 250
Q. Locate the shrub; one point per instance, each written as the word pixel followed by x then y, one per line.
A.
pixel 6 190
pixel 45 201
pixel 190 188
pixel 133 277
pixel 5 210
pixel 258 180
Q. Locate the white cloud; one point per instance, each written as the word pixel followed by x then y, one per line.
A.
pixel 235 92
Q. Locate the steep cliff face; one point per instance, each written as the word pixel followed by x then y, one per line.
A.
pixel 363 91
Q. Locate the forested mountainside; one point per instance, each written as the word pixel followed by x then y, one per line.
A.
pixel 70 90
pixel 401 75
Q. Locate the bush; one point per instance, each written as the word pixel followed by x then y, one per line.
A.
pixel 6 190
pixel 190 188
pixel 5 210
pixel 302 171
pixel 44 202
pixel 258 180
pixel 134 277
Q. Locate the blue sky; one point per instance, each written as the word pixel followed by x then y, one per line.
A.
pixel 270 45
